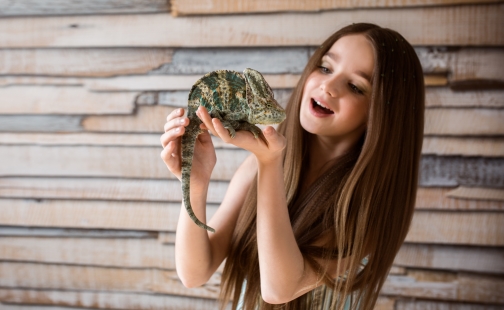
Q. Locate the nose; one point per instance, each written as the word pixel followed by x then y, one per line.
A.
pixel 330 86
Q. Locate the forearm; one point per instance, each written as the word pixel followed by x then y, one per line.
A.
pixel 280 260
pixel 193 255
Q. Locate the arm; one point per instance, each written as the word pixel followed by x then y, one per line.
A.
pixel 197 253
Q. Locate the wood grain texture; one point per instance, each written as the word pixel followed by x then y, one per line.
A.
pixel 464 228
pixel 430 198
pixel 102 161
pixel 87 278
pixel 465 146
pixel 20 231
pixel 470 122
pixel 26 299
pixel 59 7
pixel 85 62
pixel 443 97
pixel 199 7
pixel 455 258
pixel 445 25
pixel 64 100
pixel 493 194
pixel 147 216
pixel 440 305
pixel 40 123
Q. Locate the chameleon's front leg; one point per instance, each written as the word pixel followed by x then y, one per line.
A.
pixel 230 125
pixel 256 131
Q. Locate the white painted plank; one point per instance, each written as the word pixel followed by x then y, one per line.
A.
pixel 464 228
pixel 443 97
pixel 64 100
pixel 444 25
pixel 87 62
pixel 455 258
pixel 469 122
pixel 151 216
pixel 40 123
pixel 199 7
pixel 25 299
pixel 102 161
pixel 496 194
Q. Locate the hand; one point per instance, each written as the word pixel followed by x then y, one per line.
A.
pixel 246 140
pixel 204 158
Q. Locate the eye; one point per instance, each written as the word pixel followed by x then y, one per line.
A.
pixel 324 70
pixel 355 89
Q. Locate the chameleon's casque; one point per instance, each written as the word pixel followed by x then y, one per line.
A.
pixel 239 101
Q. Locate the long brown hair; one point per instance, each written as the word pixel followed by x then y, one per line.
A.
pixel 363 203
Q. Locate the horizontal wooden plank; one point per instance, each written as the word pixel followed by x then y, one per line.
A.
pixel 464 228
pixel 446 287
pixel 103 189
pixel 40 123
pixel 417 304
pixel 13 231
pixel 106 252
pixel 25 299
pixel 86 278
pixel 87 62
pixel 431 198
pixel 465 146
pixel 445 25
pixel 496 194
pixel 147 216
pixel 199 7
pixel 102 161
pixel 470 122
pixel 64 100
pixel 451 171
pixel 476 64
pixel 455 258
pixel 59 7
pixel 443 97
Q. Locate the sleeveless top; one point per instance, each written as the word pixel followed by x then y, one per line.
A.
pixel 319 298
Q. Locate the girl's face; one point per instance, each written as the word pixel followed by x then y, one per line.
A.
pixel 336 95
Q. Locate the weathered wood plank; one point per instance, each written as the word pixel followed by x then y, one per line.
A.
pixel 468 122
pixel 445 25
pixel 456 258
pixel 102 161
pixel 40 123
pixel 199 7
pixel 149 216
pixel 13 231
pixel 417 304
pixel 464 228
pixel 429 198
pixel 15 80
pixel 64 100
pixel 451 171
pixel 59 7
pixel 477 65
pixel 68 278
pixel 477 193
pixel 19 299
pixel 443 97
pixel 465 146
pixel 87 62
pixel 166 237
pixel 105 252
pixel 446 286
pixel 103 189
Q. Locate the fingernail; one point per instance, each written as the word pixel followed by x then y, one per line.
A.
pixel 182 120
pixel 177 129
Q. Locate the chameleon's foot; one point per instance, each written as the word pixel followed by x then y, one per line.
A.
pixel 230 128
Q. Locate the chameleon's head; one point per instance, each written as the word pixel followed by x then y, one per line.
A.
pixel 263 107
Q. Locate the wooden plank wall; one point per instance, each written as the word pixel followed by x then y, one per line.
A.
pixel 87 209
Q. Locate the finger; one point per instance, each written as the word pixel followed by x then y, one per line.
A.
pixel 202 113
pixel 175 122
pixel 175 113
pixel 222 132
pixel 171 135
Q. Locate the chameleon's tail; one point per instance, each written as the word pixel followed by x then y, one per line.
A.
pixel 188 142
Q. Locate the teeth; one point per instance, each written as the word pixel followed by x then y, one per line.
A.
pixel 319 104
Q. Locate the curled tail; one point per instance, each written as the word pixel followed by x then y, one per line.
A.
pixel 188 142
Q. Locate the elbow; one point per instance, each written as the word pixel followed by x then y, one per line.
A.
pixel 275 298
pixel 189 280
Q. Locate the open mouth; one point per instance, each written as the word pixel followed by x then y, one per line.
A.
pixel 317 107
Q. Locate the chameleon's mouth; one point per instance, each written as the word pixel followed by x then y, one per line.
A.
pixel 320 108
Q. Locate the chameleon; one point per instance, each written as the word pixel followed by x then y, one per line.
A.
pixel 238 100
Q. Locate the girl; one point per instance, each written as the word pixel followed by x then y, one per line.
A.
pixel 314 220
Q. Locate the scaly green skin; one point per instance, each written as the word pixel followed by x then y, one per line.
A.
pixel 239 101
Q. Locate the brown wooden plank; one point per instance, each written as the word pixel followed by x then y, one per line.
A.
pixel 26 299
pixel 103 189
pixel 465 146
pixel 125 215
pixel 446 287
pixel 495 194
pixel 64 100
pixel 455 258
pixel 200 7
pixel 59 7
pixel 68 278
pixel 464 228
pixel 102 161
pixel 106 252
pixel 469 122
pixel 431 198
pixel 86 62
pixel 444 25
pixel 443 97
pixel 416 304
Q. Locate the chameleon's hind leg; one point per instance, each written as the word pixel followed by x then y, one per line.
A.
pixel 256 131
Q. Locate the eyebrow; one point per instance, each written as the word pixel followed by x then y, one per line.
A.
pixel 363 74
